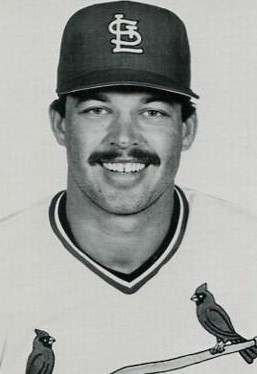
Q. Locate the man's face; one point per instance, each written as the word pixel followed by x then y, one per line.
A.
pixel 123 147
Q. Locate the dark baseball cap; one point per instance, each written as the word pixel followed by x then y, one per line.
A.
pixel 124 43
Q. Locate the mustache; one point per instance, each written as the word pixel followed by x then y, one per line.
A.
pixel 140 155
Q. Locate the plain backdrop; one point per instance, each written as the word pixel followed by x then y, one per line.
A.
pixel 223 38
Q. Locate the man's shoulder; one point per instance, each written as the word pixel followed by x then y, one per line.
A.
pixel 220 238
pixel 29 215
pixel 25 235
pixel 218 224
pixel 33 266
pixel 205 205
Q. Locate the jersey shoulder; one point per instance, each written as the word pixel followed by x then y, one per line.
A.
pixel 218 210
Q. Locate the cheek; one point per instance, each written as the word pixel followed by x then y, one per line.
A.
pixel 80 144
pixel 167 144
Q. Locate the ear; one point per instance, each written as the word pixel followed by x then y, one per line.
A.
pixel 189 131
pixel 58 125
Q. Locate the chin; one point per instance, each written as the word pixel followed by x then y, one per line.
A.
pixel 123 206
pixel 123 210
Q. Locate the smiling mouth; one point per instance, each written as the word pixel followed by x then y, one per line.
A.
pixel 124 167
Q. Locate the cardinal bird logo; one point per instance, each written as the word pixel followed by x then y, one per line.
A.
pixel 217 322
pixel 41 359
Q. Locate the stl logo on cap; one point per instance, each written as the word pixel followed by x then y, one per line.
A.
pixel 130 31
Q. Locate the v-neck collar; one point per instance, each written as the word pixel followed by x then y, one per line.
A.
pixel 132 282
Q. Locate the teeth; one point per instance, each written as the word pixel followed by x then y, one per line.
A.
pixel 122 167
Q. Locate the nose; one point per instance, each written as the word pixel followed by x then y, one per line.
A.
pixel 124 132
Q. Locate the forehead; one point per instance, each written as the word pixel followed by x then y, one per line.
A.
pixel 143 95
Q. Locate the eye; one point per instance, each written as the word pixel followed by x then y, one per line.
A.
pixel 154 113
pixel 96 111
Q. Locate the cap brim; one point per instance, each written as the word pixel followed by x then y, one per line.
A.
pixel 122 77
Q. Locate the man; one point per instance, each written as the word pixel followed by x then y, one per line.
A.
pixel 111 276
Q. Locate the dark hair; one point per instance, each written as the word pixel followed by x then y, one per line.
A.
pixel 188 107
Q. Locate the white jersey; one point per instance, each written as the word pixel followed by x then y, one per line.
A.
pixel 103 321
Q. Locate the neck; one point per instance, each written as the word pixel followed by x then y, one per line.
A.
pixel 119 242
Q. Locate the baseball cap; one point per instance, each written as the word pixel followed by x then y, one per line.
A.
pixel 124 43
